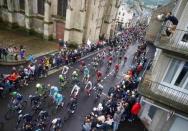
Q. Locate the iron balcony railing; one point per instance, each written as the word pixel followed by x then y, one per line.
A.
pixel 164 94
pixel 177 41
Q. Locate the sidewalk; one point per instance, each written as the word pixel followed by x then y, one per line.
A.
pixel 33 45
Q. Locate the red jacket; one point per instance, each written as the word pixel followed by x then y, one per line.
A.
pixel 136 108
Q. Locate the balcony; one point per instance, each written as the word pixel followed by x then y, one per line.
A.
pixel 175 44
pixel 164 95
pixel 155 25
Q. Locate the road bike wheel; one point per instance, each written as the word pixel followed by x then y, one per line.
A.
pixel 9 115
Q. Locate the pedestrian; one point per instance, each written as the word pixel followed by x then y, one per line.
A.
pixel 31 58
pixel 117 119
pixel 135 110
pixel 174 22
pixel 5 53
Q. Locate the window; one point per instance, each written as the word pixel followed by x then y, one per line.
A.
pixel 62 7
pixel 119 13
pixel 40 6
pixel 22 4
pixel 177 74
pixel 185 36
pixel 123 14
pixel 172 70
pixel 183 75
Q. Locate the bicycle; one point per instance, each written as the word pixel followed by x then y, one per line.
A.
pixel 13 110
pixel 57 108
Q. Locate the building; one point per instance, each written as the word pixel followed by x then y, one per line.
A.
pixel 165 85
pixel 124 15
pixel 71 20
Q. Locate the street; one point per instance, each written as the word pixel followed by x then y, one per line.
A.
pixel 85 103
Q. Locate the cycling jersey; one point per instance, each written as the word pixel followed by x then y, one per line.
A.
pixel 88 85
pixel 86 72
pixel 27 117
pixel 82 63
pixel 53 90
pixel 117 67
pixel 43 114
pixel 61 78
pixel 110 58
pixel 99 74
pixel 65 70
pixel 17 96
pixel 75 90
pixel 40 89
pixel 57 121
pixel 58 98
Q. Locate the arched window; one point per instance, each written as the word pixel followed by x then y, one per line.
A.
pixel 62 7
pixel 40 5
pixel 22 4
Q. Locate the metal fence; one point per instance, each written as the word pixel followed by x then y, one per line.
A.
pixel 176 39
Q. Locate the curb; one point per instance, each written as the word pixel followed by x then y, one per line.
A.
pixel 50 72
pixel 12 63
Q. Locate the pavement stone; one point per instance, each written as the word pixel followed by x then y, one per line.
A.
pixel 32 44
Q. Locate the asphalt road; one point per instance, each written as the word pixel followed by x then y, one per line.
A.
pixel 85 104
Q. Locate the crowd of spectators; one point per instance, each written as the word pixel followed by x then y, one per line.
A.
pixel 12 53
pixel 122 102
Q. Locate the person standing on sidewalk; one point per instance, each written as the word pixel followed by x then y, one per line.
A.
pixel 117 117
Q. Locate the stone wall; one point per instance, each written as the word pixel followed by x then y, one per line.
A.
pixel 84 18
pixel 20 19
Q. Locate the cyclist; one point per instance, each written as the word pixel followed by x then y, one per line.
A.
pixel 58 98
pixel 125 58
pixel 117 68
pixel 62 80
pixel 74 75
pixel 82 64
pixel 56 123
pixel 86 73
pixel 34 100
pixel 110 61
pixel 43 115
pixel 53 90
pixel 98 75
pixel 88 87
pixel 98 90
pixel 17 98
pixel 41 90
pixel 27 118
pixel 27 125
pixel 75 91
pixel 65 71
pixel 95 63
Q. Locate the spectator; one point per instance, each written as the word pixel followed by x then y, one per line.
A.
pixel 174 21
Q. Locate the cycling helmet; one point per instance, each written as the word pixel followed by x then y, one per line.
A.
pixel 60 76
pixel 38 85
pixel 74 72
pixel 14 93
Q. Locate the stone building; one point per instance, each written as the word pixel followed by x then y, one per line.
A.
pixel 165 85
pixel 71 20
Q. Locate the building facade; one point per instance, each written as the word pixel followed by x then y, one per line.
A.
pixel 71 20
pixel 125 15
pixel 165 86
